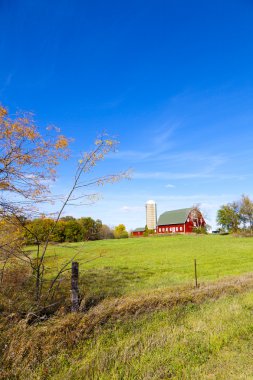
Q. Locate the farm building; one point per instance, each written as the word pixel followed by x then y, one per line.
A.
pixel 138 231
pixel 180 221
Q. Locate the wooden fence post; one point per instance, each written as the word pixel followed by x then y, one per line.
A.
pixel 195 273
pixel 74 287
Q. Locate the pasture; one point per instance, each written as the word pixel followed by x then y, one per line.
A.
pixel 126 266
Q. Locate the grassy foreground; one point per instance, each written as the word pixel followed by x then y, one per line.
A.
pixel 148 321
pixel 206 333
pixel 211 341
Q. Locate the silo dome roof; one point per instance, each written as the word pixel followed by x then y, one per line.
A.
pixel 150 202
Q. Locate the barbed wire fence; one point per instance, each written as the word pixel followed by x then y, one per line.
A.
pixel 198 271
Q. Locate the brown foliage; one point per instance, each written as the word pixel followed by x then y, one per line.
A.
pixel 28 159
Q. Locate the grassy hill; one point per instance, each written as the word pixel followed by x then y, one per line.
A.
pixel 148 322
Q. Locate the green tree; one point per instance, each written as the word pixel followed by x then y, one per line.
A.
pixel 73 231
pixel 67 218
pixel 59 233
pixel 146 231
pixel 228 217
pixel 90 228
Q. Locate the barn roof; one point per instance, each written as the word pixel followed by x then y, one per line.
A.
pixel 139 229
pixel 174 216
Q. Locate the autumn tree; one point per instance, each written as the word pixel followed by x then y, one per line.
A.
pixel 38 230
pixel 28 161
pixel 120 232
pixel 11 242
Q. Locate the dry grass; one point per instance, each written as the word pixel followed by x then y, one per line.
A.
pixel 24 347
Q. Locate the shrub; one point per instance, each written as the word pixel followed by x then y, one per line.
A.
pixel 200 230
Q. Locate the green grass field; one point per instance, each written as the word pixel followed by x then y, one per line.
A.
pixel 119 267
pixel 149 322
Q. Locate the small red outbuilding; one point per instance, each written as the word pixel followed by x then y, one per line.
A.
pixel 138 231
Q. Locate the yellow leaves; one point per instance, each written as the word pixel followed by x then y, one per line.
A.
pixel 23 159
pixel 106 142
pixel 3 112
pixel 27 158
pixel 31 134
pixel 11 235
pixel 4 185
pixel 62 142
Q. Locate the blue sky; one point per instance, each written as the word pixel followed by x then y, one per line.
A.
pixel 172 79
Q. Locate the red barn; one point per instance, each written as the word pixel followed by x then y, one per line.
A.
pixel 138 231
pixel 180 221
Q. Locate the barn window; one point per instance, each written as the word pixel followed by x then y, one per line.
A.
pixel 163 229
pixel 167 229
pixel 181 228
pixel 176 228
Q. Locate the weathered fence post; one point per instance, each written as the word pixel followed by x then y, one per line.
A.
pixel 195 273
pixel 74 287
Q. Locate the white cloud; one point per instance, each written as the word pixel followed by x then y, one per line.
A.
pixel 170 186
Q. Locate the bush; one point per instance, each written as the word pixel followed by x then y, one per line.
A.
pixel 200 230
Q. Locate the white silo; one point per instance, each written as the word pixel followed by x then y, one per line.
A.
pixel 151 217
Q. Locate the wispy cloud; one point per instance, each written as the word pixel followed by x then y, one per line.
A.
pixel 6 82
pixel 131 209
pixel 170 186
pixel 189 175
pixel 159 145
pixel 163 135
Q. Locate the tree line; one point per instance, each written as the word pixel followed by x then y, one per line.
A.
pixel 236 216
pixel 70 229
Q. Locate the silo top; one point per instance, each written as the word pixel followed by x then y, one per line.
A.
pixel 150 202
